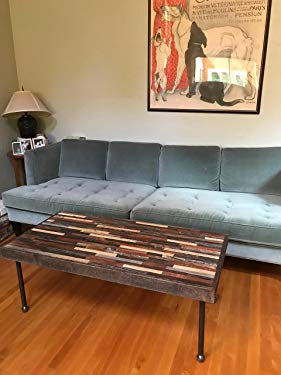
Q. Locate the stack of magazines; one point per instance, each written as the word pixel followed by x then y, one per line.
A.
pixel 5 227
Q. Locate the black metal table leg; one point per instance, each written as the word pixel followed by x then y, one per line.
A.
pixel 17 227
pixel 200 355
pixel 24 307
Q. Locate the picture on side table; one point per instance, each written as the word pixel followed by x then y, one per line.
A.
pixel 26 144
pixel 17 148
pixel 207 55
pixel 39 141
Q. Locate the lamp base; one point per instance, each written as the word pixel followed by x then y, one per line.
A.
pixel 27 126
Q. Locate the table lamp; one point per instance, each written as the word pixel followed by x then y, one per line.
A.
pixel 24 103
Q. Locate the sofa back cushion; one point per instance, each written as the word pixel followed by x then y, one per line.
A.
pixel 83 158
pixel 190 166
pixel 133 162
pixel 251 170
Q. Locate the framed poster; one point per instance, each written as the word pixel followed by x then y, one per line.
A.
pixel 207 55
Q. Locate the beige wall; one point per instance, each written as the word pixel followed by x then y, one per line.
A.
pixel 8 84
pixel 88 60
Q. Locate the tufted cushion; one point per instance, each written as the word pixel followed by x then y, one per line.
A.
pixel 251 170
pixel 190 166
pixel 83 158
pixel 79 195
pixel 133 162
pixel 246 217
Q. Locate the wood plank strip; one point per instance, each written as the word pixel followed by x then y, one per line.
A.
pixel 84 230
pixel 57 256
pixel 118 228
pixel 117 253
pixel 219 240
pixel 193 269
pixel 195 253
pixel 47 231
pixel 190 278
pixel 146 250
pixel 94 251
pixel 69 228
pixel 152 224
pixel 47 248
pixel 76 219
pixel 182 242
pixel 71 215
pixel 143 269
pixel 113 238
pixel 131 254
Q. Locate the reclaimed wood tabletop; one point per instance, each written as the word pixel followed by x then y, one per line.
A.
pixel 157 257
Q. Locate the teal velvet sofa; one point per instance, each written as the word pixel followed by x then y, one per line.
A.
pixel 236 191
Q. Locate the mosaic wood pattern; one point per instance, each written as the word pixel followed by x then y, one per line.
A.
pixel 162 258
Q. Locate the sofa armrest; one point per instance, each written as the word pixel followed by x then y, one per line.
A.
pixel 42 164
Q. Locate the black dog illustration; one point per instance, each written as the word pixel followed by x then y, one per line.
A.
pixel 211 92
pixel 197 38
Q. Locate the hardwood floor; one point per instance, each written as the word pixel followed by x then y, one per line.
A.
pixel 83 326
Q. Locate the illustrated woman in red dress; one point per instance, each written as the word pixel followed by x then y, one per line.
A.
pixel 168 37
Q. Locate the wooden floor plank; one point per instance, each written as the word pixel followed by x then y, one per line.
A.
pixel 83 326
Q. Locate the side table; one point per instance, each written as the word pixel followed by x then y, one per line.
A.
pixel 19 169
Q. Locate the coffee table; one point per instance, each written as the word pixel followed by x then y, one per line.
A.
pixel 161 258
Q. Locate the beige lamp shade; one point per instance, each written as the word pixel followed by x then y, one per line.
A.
pixel 25 102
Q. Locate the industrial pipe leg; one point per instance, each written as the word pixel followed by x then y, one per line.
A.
pixel 200 355
pixel 17 227
pixel 24 307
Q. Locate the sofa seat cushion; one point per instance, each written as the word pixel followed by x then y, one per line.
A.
pixel 243 217
pixel 81 195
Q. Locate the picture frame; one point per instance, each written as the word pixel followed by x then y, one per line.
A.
pixel 26 144
pixel 17 148
pixel 38 142
pixel 206 56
